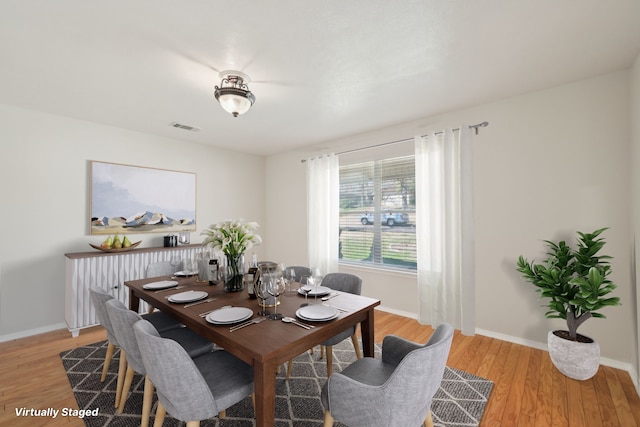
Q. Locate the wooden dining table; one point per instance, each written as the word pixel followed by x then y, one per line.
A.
pixel 265 345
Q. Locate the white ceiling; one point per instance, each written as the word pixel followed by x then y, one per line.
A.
pixel 320 70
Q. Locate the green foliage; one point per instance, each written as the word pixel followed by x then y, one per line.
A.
pixel 574 280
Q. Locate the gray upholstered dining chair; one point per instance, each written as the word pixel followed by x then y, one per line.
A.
pixel 191 389
pixel 161 268
pixel 394 391
pixel 299 270
pixel 99 297
pixel 343 282
pixel 122 321
pixel 160 321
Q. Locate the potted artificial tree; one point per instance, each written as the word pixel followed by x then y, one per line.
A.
pixel 576 283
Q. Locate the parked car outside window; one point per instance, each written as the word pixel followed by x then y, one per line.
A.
pixel 389 218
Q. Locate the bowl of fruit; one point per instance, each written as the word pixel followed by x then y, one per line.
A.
pixel 114 244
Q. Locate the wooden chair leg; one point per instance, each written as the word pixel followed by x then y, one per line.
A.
pixel 322 352
pixel 329 351
pixel 150 310
pixel 428 422
pixel 107 360
pixel 289 368
pixel 122 368
pixel 328 419
pixel 222 414
pixel 160 414
pixel 128 379
pixel 356 346
pixel 193 424
pixel 146 401
pixel 253 401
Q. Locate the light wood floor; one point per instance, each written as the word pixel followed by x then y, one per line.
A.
pixel 528 390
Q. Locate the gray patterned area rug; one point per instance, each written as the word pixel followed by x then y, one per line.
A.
pixel 460 401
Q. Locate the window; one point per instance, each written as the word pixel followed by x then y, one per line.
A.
pixel 377 213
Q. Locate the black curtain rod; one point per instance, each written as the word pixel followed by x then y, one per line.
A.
pixel 479 125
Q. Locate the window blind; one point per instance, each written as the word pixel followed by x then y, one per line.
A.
pixel 377 212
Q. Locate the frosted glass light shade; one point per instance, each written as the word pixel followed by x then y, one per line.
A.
pixel 235 101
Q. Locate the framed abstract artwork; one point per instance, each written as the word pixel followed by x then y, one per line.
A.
pixel 135 199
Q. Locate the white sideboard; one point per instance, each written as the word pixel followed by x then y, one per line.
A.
pixel 109 271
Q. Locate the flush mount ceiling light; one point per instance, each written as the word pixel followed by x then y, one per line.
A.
pixel 233 94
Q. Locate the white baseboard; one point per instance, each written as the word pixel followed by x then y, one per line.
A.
pixel 30 332
pixel 398 312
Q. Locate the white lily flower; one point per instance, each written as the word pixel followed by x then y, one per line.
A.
pixel 232 237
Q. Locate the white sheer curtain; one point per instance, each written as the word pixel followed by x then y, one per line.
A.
pixel 444 229
pixel 323 197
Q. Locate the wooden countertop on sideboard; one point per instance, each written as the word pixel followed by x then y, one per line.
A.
pixel 94 253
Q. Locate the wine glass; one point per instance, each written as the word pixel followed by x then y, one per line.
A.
pixel 306 285
pixel 175 263
pixel 275 288
pixel 286 283
pixel 282 276
pixel 292 279
pixel 315 282
pixel 316 279
pixel 188 266
pixel 260 290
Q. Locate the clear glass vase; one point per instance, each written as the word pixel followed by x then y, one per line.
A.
pixel 235 271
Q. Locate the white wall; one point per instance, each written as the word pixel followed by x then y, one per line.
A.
pixel 44 207
pixel 635 197
pixel 551 162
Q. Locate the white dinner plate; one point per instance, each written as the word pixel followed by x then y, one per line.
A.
pixel 185 273
pixel 317 313
pixel 188 296
pixel 317 292
pixel 163 284
pixel 225 316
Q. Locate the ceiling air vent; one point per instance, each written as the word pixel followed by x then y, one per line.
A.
pixel 185 127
